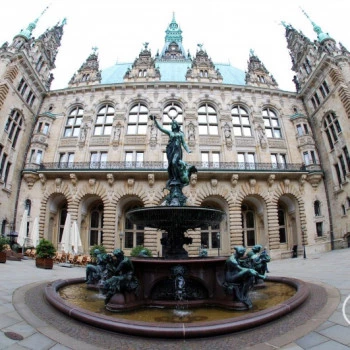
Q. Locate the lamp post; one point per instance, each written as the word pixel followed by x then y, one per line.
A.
pixel 218 239
pixel 121 236
pixel 303 238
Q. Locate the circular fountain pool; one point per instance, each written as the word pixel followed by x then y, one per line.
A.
pixel 280 297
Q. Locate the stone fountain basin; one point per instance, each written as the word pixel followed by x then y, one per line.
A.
pixel 177 330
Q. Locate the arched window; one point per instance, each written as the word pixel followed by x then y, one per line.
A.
pixel 248 225
pixel 332 129
pixel 240 121
pixel 104 120
pixel 28 206
pixel 96 225
pixel 74 120
pixel 62 221
pixel 172 111
pixel 207 120
pixel 137 121
pixel 282 225
pixel 272 124
pixel 134 234
pixel 13 126
pixel 317 208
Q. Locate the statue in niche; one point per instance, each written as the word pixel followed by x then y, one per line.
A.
pixel 191 132
pixel 228 136
pixel 239 280
pixel 83 133
pixel 262 136
pixel 117 132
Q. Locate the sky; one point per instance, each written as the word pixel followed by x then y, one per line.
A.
pixel 228 29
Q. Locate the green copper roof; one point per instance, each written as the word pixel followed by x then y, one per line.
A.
pixel 321 36
pixel 173 33
pixel 27 33
pixel 174 71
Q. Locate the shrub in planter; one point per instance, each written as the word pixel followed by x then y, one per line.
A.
pixel 99 247
pixel 3 244
pixel 45 251
pixel 141 251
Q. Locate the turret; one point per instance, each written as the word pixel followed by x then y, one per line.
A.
pixel 143 68
pixel 203 69
pixel 257 74
pixel 89 73
pixel 173 49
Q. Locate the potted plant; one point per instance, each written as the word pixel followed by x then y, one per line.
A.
pixel 45 251
pixel 4 241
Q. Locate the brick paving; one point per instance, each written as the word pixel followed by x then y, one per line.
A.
pixel 317 324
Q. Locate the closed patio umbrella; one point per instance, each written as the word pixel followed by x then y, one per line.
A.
pixel 34 235
pixel 65 241
pixel 22 233
pixel 76 240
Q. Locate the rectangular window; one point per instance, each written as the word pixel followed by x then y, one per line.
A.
pixel 299 130
pixel 39 156
pixel 7 171
pixel 2 164
pixel 342 166
pixel 139 159
pixel 319 229
pixel 98 159
pixel 45 129
pixel 306 158
pixel 216 159
pixel 337 170
pixel 128 159
pixel 347 157
pixel 205 159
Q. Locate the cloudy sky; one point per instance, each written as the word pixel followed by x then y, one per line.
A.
pixel 228 29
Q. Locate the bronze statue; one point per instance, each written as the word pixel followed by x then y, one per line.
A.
pixel 122 272
pixel 94 273
pixel 179 171
pixel 238 279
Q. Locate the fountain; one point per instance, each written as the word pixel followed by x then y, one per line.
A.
pixel 177 281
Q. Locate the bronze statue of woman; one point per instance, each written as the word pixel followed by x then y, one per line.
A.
pixel 179 172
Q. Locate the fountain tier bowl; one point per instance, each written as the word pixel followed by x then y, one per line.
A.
pixel 175 218
pixel 177 330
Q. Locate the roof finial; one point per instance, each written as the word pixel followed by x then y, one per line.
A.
pixel 317 29
pixel 27 33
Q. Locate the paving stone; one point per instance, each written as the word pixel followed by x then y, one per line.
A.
pixel 330 345
pixel 338 333
pixel 311 339
pixel 37 341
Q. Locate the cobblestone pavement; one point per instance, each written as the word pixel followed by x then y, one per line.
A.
pixel 28 322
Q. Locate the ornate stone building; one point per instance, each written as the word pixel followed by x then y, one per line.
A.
pixel 277 162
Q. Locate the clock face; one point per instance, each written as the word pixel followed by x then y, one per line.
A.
pixel 173 26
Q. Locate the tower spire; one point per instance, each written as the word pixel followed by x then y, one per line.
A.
pixel 321 36
pixel 27 33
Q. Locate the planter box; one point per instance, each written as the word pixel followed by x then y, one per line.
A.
pixel 44 263
pixel 3 257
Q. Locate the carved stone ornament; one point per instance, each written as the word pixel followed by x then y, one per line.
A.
pixel 131 182
pixel 30 179
pixel 42 178
pixel 214 182
pixel 58 182
pixel 73 179
pixel 110 179
pixel 271 180
pixel 151 180
pixel 234 180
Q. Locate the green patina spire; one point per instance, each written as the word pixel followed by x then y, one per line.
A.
pixel 321 36
pixel 27 33
pixel 173 33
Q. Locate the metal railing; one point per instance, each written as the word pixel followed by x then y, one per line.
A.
pixel 141 166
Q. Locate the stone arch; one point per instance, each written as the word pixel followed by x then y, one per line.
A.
pixel 233 215
pixel 45 220
pixel 93 189
pixel 290 194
